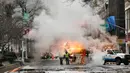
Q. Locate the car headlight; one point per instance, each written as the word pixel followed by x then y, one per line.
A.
pixel 122 56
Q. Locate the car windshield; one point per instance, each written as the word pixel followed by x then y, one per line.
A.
pixel 117 51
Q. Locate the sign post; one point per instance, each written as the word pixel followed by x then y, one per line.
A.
pixel 23 49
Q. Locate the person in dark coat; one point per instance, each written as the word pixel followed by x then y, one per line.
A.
pixel 61 58
pixel 66 57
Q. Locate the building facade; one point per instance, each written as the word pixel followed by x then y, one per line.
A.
pixel 116 8
pixel 127 20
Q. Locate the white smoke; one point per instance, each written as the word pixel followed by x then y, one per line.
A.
pixel 97 57
pixel 65 22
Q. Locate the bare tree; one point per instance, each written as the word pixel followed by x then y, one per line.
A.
pixel 11 24
pixel 95 4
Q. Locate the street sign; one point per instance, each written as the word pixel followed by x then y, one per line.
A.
pixel 26 16
pixel 111 22
pixel 105 26
pixel 121 41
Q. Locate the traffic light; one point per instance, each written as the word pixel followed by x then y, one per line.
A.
pixel 110 25
pixel 111 22
pixel 24 12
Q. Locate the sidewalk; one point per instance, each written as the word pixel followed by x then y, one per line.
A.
pixel 7 66
pixel 6 63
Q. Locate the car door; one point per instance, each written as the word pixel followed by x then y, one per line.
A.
pixel 109 56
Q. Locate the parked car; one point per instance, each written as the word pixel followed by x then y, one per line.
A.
pixel 46 55
pixel 1 59
pixel 9 56
pixel 116 56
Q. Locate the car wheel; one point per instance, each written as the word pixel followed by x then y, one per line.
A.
pixel 118 61
pixel 104 62
pixel 126 62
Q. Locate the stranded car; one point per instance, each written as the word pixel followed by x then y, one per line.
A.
pixel 116 56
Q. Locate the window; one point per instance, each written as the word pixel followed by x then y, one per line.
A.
pixel 117 51
pixel 109 52
pixel 127 18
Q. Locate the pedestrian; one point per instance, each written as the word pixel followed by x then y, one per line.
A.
pixel 61 58
pixel 53 57
pixel 66 57
pixel 83 55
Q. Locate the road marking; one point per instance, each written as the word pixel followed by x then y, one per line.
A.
pixel 16 69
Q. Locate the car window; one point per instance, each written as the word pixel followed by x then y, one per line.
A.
pixel 109 52
pixel 117 51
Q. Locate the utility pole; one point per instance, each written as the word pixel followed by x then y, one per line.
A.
pixel 25 14
pixel 23 49
pixel 126 34
pixel 127 48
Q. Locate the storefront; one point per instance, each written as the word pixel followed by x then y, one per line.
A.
pixel 127 22
pixel 121 43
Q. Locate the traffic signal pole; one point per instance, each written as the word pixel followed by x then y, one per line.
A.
pixel 127 37
pixel 25 21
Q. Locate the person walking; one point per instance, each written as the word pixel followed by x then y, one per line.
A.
pixel 61 58
pixel 52 56
pixel 66 57
pixel 83 55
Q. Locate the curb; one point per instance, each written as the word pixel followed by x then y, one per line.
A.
pixel 9 65
pixel 2 67
pixel 16 69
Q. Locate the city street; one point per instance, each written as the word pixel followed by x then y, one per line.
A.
pixel 8 67
pixel 64 36
pixel 53 66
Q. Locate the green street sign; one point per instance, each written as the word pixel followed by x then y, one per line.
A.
pixel 105 25
pixel 26 16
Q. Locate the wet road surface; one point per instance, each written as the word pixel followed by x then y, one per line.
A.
pixel 53 66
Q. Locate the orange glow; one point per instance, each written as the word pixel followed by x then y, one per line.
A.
pixel 73 47
pixel 108 46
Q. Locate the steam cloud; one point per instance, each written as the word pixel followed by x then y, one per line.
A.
pixel 67 22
